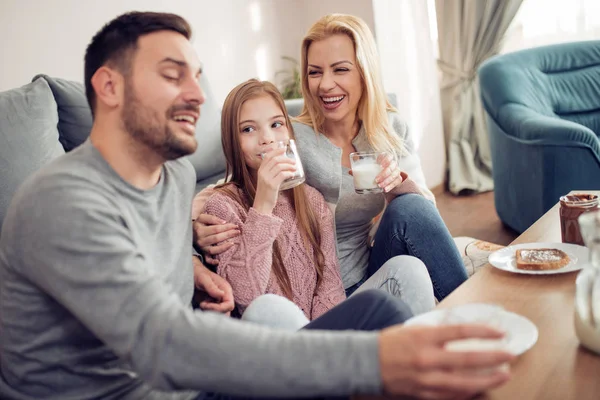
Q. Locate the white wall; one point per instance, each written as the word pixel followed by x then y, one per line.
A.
pixel 235 39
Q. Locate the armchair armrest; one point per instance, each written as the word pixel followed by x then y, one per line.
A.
pixel 528 126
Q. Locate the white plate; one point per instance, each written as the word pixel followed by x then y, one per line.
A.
pixel 505 259
pixel 521 333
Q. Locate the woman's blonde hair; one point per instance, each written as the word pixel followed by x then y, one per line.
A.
pixel 373 105
pixel 239 176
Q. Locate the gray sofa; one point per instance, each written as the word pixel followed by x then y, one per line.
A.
pixel 50 116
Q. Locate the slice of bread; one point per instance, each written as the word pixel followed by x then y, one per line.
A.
pixel 541 259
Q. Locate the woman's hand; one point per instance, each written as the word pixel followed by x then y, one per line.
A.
pixel 390 175
pixel 274 169
pixel 209 231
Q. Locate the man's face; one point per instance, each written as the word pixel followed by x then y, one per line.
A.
pixel 162 96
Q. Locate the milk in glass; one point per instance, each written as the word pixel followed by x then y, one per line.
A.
pixel 365 168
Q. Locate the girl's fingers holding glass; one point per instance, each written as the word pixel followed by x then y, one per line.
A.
pixel 268 155
pixel 284 175
pixel 282 164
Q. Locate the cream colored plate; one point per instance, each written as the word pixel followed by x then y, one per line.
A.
pixel 505 258
pixel 521 333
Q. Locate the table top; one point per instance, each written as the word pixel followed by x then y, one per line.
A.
pixel 556 367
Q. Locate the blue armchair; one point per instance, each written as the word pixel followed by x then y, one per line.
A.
pixel 542 109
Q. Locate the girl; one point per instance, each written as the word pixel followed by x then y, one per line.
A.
pixel 286 244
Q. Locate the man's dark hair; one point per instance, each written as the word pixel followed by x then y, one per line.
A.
pixel 116 42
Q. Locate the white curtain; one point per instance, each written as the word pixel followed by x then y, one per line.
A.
pixel 469 32
pixel 406 49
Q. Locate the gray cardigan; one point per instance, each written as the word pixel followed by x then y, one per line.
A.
pixel 322 162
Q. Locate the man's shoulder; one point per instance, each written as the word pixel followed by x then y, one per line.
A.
pixel 64 175
pixel 73 181
pixel 182 166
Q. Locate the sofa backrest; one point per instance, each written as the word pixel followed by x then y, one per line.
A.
pixel 75 123
pixel 561 81
pixel 28 136
pixel 51 116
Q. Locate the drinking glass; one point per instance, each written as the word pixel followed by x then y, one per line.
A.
pixel 291 151
pixel 365 168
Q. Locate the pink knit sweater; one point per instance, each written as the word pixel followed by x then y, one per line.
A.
pixel 247 265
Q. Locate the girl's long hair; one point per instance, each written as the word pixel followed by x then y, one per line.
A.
pixel 373 105
pixel 239 177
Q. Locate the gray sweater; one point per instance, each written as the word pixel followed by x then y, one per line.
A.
pixel 95 286
pixel 322 162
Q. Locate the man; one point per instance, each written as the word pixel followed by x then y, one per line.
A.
pixel 96 273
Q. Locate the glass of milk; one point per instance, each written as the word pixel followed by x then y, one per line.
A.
pixel 365 168
pixel 291 152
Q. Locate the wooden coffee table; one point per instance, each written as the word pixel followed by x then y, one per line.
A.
pixel 556 367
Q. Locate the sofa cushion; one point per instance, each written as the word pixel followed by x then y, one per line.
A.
pixel 75 124
pixel 208 160
pixel 28 136
pixel 74 115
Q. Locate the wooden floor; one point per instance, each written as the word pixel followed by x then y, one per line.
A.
pixel 473 215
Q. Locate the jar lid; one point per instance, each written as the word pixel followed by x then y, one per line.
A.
pixel 579 200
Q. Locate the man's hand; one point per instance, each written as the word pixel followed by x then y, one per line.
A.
pixel 414 362
pixel 218 294
pixel 208 232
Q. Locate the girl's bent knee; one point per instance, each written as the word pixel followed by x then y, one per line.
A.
pixel 276 312
pixel 405 268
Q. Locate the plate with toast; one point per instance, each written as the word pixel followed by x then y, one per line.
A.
pixel 540 258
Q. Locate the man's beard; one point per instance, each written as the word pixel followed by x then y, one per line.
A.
pixel 144 126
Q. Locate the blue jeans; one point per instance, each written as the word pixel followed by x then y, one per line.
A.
pixel 412 225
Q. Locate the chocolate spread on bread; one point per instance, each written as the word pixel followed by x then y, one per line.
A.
pixel 541 259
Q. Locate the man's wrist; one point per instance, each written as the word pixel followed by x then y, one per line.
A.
pixel 205 265
pixel 200 256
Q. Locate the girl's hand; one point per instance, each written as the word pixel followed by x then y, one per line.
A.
pixel 274 169
pixel 390 175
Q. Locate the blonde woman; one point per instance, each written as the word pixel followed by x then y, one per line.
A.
pixel 346 110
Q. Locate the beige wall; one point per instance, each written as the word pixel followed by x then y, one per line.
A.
pixel 236 40
pixel 232 43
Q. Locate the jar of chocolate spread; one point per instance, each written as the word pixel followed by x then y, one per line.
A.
pixel 571 207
